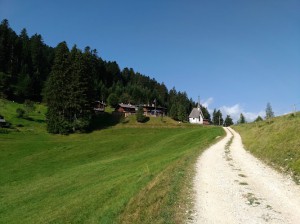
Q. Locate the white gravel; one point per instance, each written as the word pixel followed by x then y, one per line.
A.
pixel 232 186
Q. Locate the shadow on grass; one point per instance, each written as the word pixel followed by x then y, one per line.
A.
pixel 145 120
pixel 35 120
pixel 106 120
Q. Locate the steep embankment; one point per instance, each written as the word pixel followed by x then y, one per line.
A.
pixel 277 142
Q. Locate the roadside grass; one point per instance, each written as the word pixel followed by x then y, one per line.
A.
pixel 120 174
pixel 277 142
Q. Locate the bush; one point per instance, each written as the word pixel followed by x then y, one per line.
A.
pixel 29 106
pixel 4 131
pixel 113 100
pixel 20 113
pixel 140 117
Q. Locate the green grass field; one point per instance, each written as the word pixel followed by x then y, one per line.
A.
pixel 127 173
pixel 276 142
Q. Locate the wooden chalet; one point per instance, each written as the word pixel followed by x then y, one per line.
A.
pixel 126 109
pixel 99 106
pixel 152 110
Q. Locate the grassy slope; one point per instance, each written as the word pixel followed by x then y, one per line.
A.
pixel 115 175
pixel 276 142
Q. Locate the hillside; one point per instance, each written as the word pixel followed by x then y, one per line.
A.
pixel 276 142
pixel 122 173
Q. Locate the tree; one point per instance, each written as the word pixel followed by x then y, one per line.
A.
pixel 259 118
pixel 140 115
pixel 57 92
pixel 173 112
pixel 29 106
pixel 242 119
pixel 181 113
pixel 113 100
pixel 206 113
pixel 269 111
pixel 20 112
pixel 217 117
pixel 228 121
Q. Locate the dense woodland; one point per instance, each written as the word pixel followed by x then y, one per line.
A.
pixel 70 80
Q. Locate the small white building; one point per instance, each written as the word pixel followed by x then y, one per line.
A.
pixel 196 116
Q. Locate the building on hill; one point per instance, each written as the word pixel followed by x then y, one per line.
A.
pixel 152 110
pixel 99 106
pixel 2 121
pixel 126 109
pixel 196 116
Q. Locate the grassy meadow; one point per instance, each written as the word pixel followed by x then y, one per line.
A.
pixel 122 173
pixel 277 142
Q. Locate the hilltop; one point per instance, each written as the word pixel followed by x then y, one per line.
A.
pixel 275 141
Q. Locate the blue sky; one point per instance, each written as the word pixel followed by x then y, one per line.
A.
pixel 236 54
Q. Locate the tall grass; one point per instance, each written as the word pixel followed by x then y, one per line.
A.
pixel 121 174
pixel 276 141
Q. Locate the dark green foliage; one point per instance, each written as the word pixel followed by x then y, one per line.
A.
pixel 140 117
pixel 29 106
pixel 173 112
pixel 259 118
pixel 206 114
pixel 20 112
pixel 228 121
pixel 29 69
pixel 181 113
pixel 269 111
pixel 68 91
pixel 217 117
pixel 113 100
pixel 242 119
pixel 25 64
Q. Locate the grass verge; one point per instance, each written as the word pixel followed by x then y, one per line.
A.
pixel 276 142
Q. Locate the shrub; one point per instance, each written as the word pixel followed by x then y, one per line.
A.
pixel 140 117
pixel 29 106
pixel 20 113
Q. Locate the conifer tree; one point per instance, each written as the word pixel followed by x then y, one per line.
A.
pixel 217 117
pixel 242 119
pixel 181 113
pixel 259 118
pixel 140 117
pixel 57 91
pixel 269 111
pixel 228 121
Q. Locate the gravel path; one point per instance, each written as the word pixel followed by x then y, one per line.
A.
pixel 232 186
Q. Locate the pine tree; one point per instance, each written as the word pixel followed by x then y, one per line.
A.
pixel 181 113
pixel 57 91
pixel 217 117
pixel 80 90
pixel 228 121
pixel 259 118
pixel 242 119
pixel 206 113
pixel 269 111
pixel 173 113
pixel 140 115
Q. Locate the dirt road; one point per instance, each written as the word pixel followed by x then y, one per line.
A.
pixel 232 186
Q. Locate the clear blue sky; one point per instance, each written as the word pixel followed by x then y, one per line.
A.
pixel 236 54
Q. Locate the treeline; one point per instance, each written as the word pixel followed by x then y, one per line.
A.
pixel 69 81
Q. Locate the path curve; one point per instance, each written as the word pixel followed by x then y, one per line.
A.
pixel 232 186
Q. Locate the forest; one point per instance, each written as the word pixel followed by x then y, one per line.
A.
pixel 69 80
